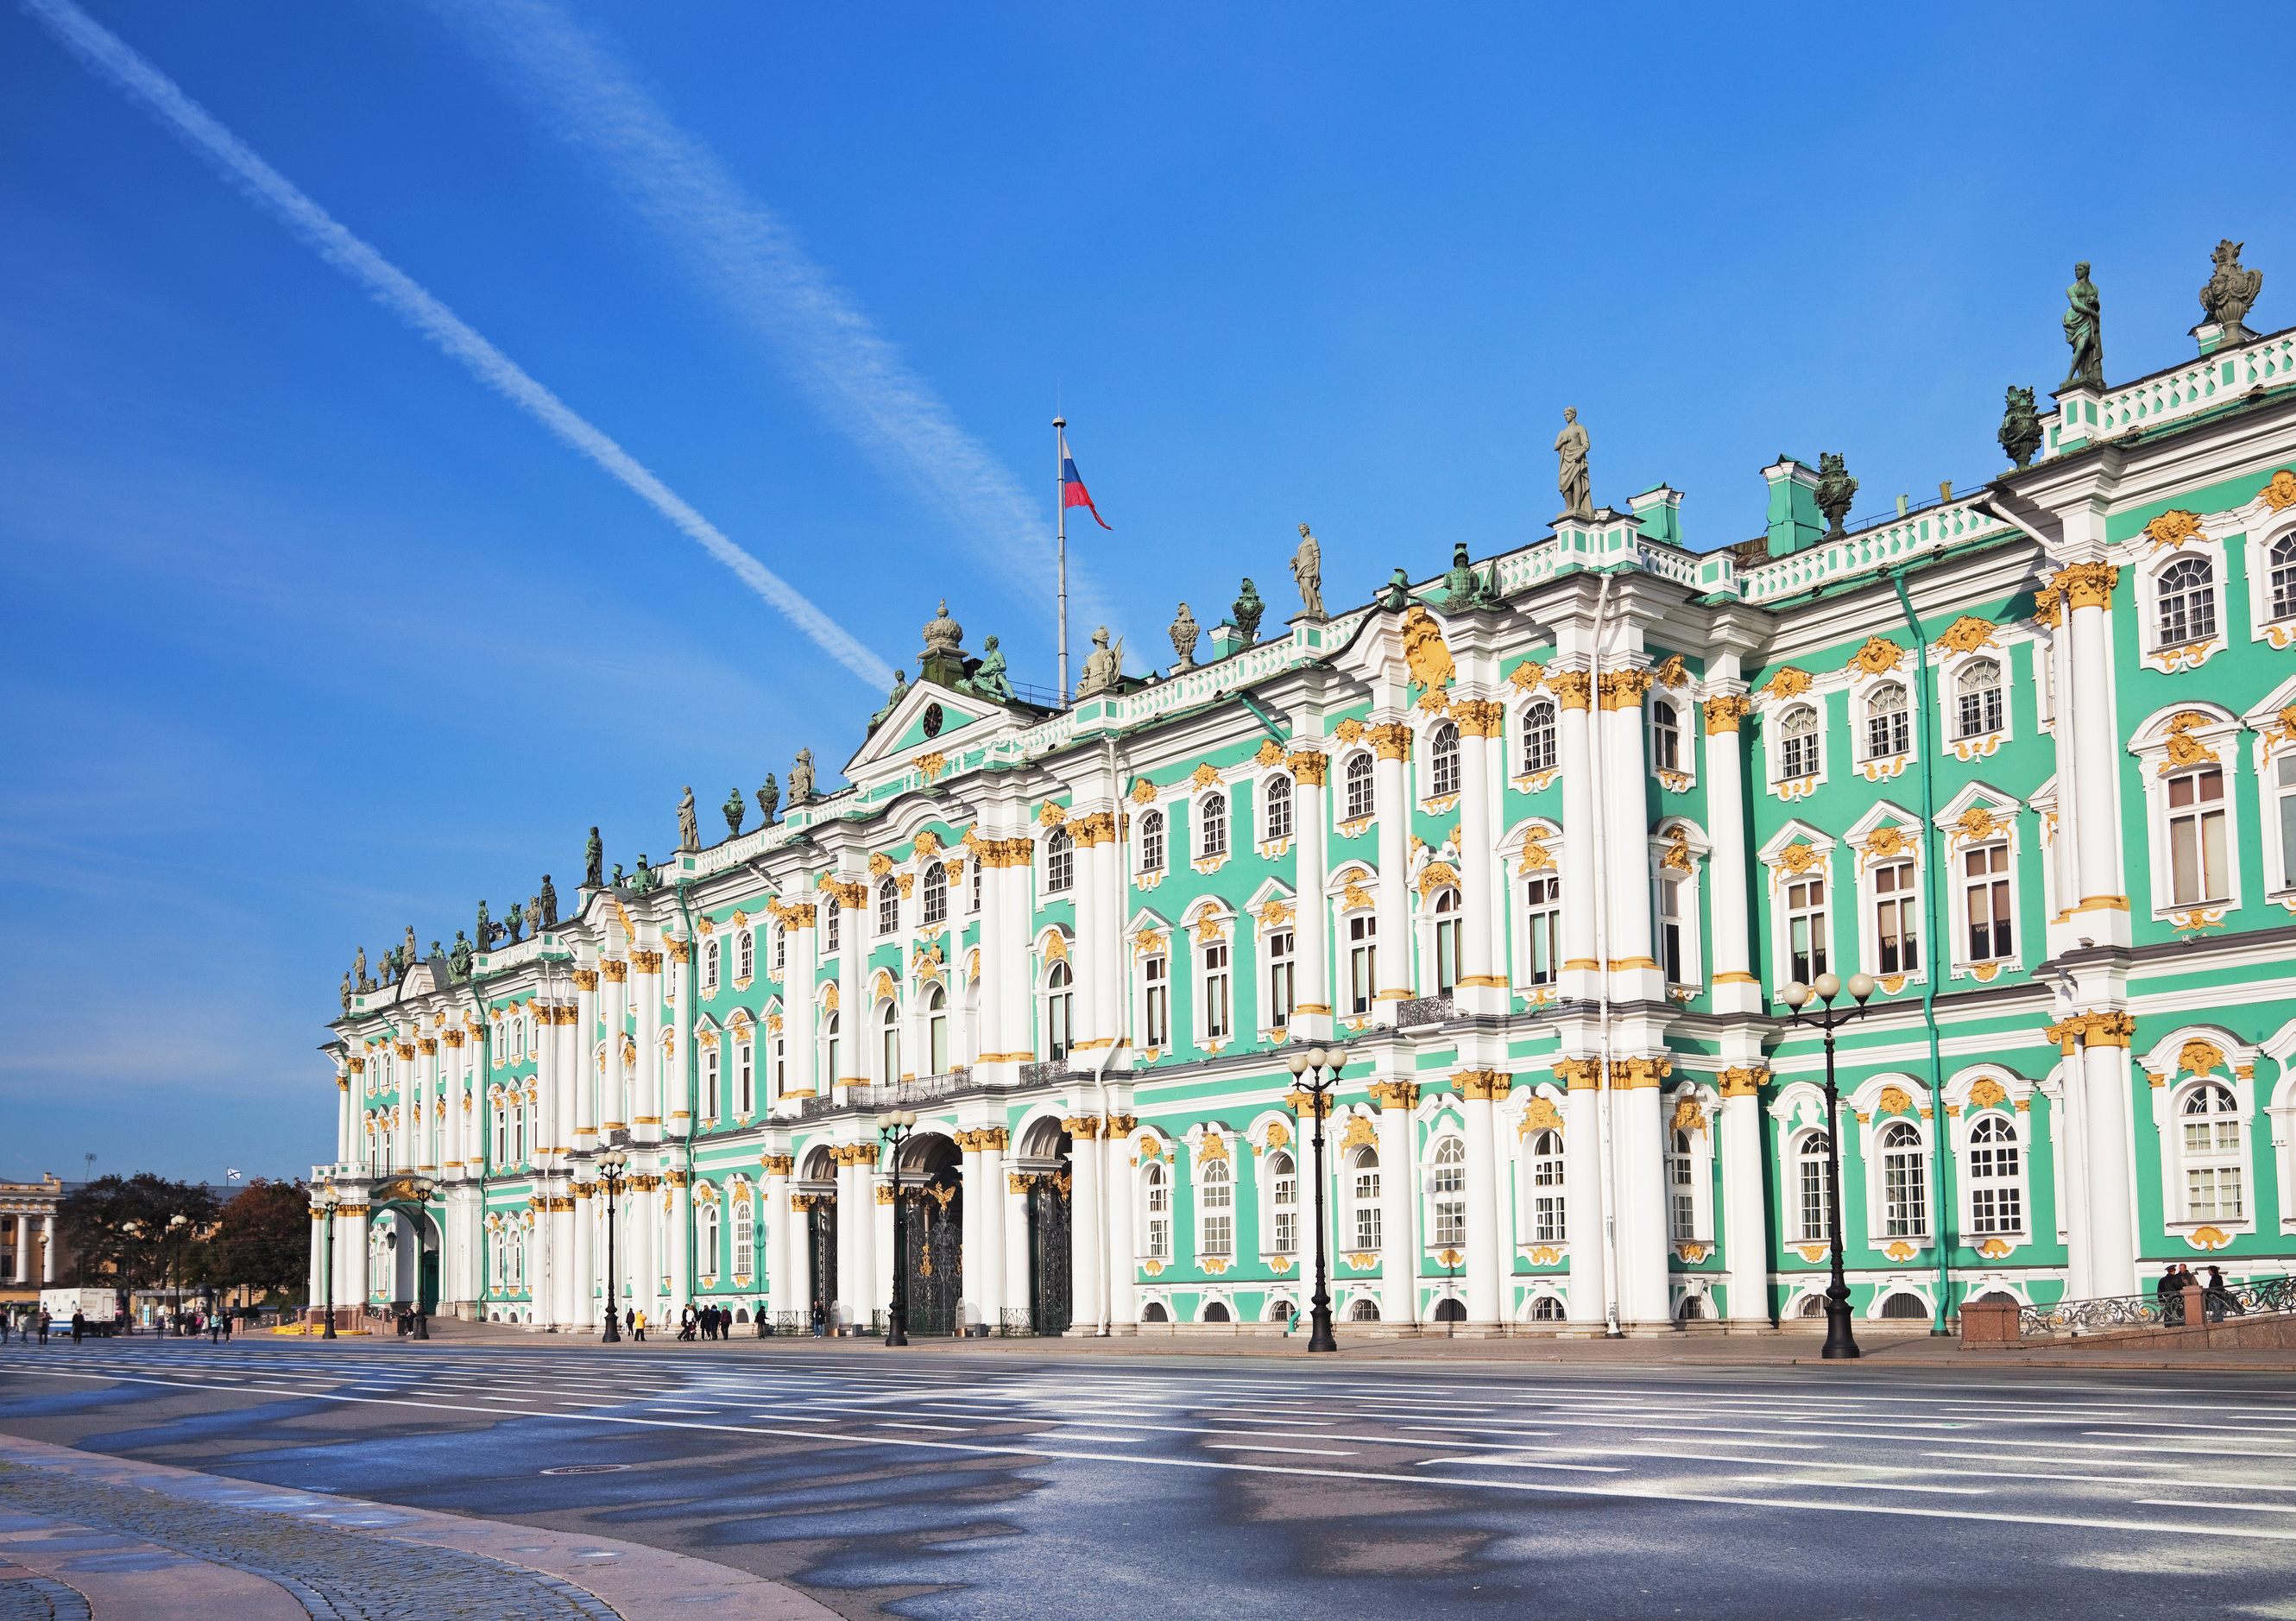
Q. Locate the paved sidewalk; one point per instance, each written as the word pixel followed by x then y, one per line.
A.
pixel 102 1536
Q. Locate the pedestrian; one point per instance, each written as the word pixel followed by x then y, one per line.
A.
pixel 685 1323
pixel 215 1328
pixel 79 1325
pixel 710 1322
pixel 639 1317
pixel 2169 1292
pixel 45 1318
pixel 820 1320
pixel 2220 1299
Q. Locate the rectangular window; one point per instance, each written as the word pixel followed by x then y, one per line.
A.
pixel 1904 1211
pixel 1286 1233
pixel 1814 1229
pixel 2213 1194
pixel 1160 1003
pixel 1996 1209
pixel 2196 837
pixel 747 953
pixel 1279 980
pixel 781 951
pixel 1670 929
pixel 710 965
pixel 832 911
pixel 1451 1222
pixel 1286 1202
pixel 744 1093
pixel 1447 954
pixel 709 1082
pixel 1279 808
pixel 1806 927
pixel 1985 877
pixel 745 1240
pixel 1542 898
pixel 1547 1223
pixel 1681 1203
pixel 1367 1225
pixel 1216 998
pixel 1159 1237
pixel 1895 923
pixel 974 904
pixel 2285 782
pixel 1219 1234
pixel 1363 962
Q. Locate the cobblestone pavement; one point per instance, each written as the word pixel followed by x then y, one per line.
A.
pixel 24 1597
pixel 338 1575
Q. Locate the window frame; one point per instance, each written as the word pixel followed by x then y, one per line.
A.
pixel 1276 802
pixel 1791 749
pixel 2019 1145
pixel 2188 1161
pixel 934 910
pixel 1902 725
pixel 1666 738
pixel 1444 771
pixel 889 906
pixel 1216 1205
pixel 1446 1206
pixel 1156 1183
pixel 1359 786
pixel 1060 862
pixel 1153 846
pixel 2197 578
pixel 1365 1210
pixel 1211 818
pixel 1280 1204
pixel 1538 738
pixel 1545 1165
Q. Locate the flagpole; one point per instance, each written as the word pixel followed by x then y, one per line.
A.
pixel 1061 505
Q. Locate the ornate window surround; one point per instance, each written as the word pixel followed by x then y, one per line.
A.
pixel 1871 841
pixel 2166 743
pixel 1958 825
pixel 1962 1109
pixel 2205 541
pixel 1775 860
pixel 1684 860
pixel 1693 1108
pixel 2167 1067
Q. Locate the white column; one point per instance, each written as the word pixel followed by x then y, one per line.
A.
pixel 1584 1173
pixel 677 1085
pixel 1485 1257
pixel 1635 975
pixel 784 1277
pixel 584 1279
pixel 1020 876
pixel 2111 1235
pixel 351 1259
pixel 1736 987
pixel 1400 1191
pixel 853 1023
pixel 47 1249
pixel 23 1264
pixel 1116 1199
pixel 314 1277
pixel 1089 1032
pixel 857 1220
pixel 615 1089
pixel 881 1240
pixel 985 1194
pixel 1016 1245
pixel 977 1304
pixel 346 1111
pixel 434 1114
pixel 1482 988
pixel 2089 589
pixel 800 1012
pixel 402 1135
pixel 678 1265
pixel 645 994
pixel 1639 1146
pixel 1391 782
pixel 1312 994
pixel 1086 1241
pixel 1745 1222
pixel 1573 692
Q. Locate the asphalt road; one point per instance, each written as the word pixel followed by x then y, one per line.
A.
pixel 940 1484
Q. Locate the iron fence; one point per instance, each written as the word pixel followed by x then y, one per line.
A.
pixel 2259 1296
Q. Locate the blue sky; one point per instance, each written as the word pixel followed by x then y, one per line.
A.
pixel 309 635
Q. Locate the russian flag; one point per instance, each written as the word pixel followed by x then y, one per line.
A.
pixel 1073 492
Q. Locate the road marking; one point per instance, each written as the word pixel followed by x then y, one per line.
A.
pixel 1239 1446
pixel 1868 1486
pixel 1582 1469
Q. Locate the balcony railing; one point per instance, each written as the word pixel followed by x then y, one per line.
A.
pixel 2260 1296
pixel 1422 1011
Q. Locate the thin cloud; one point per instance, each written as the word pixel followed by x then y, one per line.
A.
pixel 750 260
pixel 104 52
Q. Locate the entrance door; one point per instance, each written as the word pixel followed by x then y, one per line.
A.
pixel 933 1252
pixel 1049 1275
pixel 821 1251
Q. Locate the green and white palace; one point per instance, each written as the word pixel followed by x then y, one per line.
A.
pixel 1537 846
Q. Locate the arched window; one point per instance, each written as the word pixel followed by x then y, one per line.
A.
pixel 1797 743
pixel 780 950
pixel 1279 808
pixel 1153 1311
pixel 1365 1310
pixel 888 1043
pixel 2188 601
pixel 745 1093
pixel 835 911
pixel 1060 862
pixel 937 1029
pixel 1995 1203
pixel 889 906
pixel 1681 1189
pixel 1449 1186
pixel 1817 1183
pixel 1444 760
pixel 1904 1204
pixel 1280 1311
pixel 1214 839
pixel 1215 1191
pixel 1693 1308
pixel 1538 738
pixel 936 894
pixel 1450 1309
pixel 1547 1223
pixel 710 1101
pixel 1159 1210
pixel 1887 733
pixel 974 902
pixel 2213 1190
pixel 1151 842
pixel 1447 941
pixel 1059 1010
pixel 1365 1168
pixel 710 965
pixel 1216 1311
pixel 1284 1203
pixel 1547 1308
pixel 2282 560
pixel 1903 1304
pixel 1977 698
pixel 1666 736
pixel 745 1239
pixel 705 1240
pixel 746 956
pixel 1359 795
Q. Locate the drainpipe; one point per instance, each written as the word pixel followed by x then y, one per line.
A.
pixel 1602 973
pixel 1936 879
pixel 693 1078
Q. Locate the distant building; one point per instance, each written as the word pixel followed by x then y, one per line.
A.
pixel 28 1247
pixel 1541 868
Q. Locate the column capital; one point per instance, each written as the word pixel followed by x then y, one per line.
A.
pixel 1308 767
pixel 1725 710
pixel 1743 1083
pixel 1483 1085
pixel 1395 1094
pixel 1624 689
pixel 1391 741
pixel 2088 584
pixel 586 978
pixel 1633 1074
pixel 614 970
pixel 1572 689
pixel 1580 1074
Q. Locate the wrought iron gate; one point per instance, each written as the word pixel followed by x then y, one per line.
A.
pixel 1049 1266
pixel 932 1250
pixel 821 1249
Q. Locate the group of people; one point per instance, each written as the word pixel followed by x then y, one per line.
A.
pixel 2216 1302
pixel 703 1323
pixel 26 1325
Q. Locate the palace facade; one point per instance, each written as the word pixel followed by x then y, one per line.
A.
pixel 1535 850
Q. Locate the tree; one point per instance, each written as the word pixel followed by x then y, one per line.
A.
pixel 123 1228
pixel 264 1241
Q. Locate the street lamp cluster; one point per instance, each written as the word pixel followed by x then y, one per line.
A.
pixel 1839 1343
pixel 894 1126
pixel 1316 1072
pixel 614 1172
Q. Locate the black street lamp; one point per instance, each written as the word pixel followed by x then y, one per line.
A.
pixel 895 1127
pixel 613 1171
pixel 1839 1343
pixel 1324 1067
pixel 327 1198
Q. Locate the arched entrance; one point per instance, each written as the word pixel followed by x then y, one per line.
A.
pixel 817 1197
pixel 1045 1163
pixel 408 1251
pixel 932 1238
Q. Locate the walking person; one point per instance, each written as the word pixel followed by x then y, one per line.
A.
pixel 79 1325
pixel 639 1331
pixel 2219 1298
pixel 45 1318
pixel 820 1320
pixel 685 1323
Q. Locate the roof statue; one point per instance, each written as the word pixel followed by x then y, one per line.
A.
pixel 1308 573
pixel 458 962
pixel 513 924
pixel 617 881
pixel 2231 292
pixel 346 993
pixel 689 826
pixel 1103 667
pixel 1835 491
pixel 359 967
pixel 1248 611
pixel 407 952
pixel 769 798
pixel 988 679
pixel 942 663
pixel 2085 332
pixel 2021 426
pixel 735 807
pixel 801 778
pixel 1395 596
pixel 1185 636
pixel 1572 477
pixel 534 915
pixel 486 929
pixel 892 699
pixel 549 898
pixel 593 863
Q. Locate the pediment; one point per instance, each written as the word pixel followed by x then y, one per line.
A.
pixel 913 729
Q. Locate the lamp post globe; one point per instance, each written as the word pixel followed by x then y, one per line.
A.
pixel 327 1198
pixel 1318 1072
pixel 1840 1343
pixel 894 1126
pixel 611 1165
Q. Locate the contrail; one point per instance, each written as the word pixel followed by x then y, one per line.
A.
pixel 111 57
pixel 742 251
